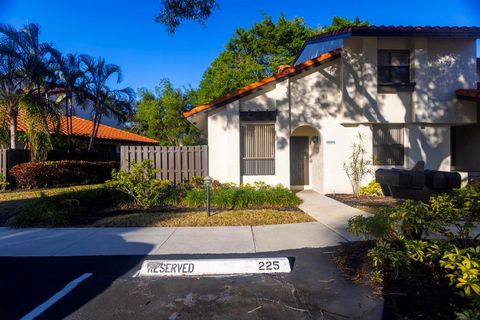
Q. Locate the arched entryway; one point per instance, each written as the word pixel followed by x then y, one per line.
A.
pixel 306 159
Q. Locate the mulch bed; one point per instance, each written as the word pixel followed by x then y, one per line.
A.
pixel 366 203
pixel 421 292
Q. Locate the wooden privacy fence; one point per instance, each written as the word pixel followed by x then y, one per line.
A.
pixel 177 164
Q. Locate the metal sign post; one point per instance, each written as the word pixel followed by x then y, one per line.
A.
pixel 208 183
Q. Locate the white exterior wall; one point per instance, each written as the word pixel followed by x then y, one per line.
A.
pixel 430 143
pixel 437 67
pixel 340 100
pixel 224 143
pixel 316 101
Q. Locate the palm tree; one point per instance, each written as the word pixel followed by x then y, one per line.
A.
pixel 106 101
pixel 10 81
pixel 33 77
pixel 70 84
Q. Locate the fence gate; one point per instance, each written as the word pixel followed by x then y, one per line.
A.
pixel 177 164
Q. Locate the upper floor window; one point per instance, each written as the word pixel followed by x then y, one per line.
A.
pixel 394 70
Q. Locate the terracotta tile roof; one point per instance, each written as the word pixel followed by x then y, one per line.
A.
pixel 285 72
pixel 402 31
pixel 468 94
pixel 83 128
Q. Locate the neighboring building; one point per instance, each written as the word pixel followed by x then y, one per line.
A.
pixel 88 114
pixel 108 138
pixel 397 86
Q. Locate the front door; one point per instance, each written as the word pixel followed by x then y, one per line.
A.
pixel 299 160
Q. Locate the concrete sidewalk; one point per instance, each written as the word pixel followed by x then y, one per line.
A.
pixel 332 218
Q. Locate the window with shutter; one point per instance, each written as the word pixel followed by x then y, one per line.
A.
pixel 257 149
pixel 388 147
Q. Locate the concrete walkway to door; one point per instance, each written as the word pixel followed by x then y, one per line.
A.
pixel 329 212
pixel 328 231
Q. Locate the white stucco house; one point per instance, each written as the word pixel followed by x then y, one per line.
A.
pixel 412 92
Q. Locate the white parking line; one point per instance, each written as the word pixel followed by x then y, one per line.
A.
pixel 59 295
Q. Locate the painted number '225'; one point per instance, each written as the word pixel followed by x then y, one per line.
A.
pixel 268 265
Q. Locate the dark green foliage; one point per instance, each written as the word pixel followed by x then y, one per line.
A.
pixel 416 219
pixel 253 54
pixel 141 185
pixel 400 246
pixel 65 209
pixel 143 189
pixel 341 23
pixel 160 116
pixel 461 208
pixel 173 12
pixel 60 173
pixel 230 196
pixel 383 224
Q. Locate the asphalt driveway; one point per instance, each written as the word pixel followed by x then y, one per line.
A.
pixel 313 290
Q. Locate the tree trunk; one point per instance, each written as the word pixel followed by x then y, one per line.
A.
pixel 13 129
pixel 94 132
pixel 68 124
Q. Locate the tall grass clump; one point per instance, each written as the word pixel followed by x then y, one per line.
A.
pixel 231 196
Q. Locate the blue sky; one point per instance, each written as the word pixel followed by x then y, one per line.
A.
pixel 124 31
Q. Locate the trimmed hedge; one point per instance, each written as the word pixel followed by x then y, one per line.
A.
pixel 60 173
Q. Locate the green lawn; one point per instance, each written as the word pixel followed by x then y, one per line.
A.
pixel 200 218
pixel 95 205
pixel 12 202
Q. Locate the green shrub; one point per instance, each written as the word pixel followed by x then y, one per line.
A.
pixel 141 185
pixel 460 208
pixel 66 208
pixel 373 189
pixel 399 245
pixel 387 256
pixel 382 225
pixel 463 269
pixel 195 198
pixel 60 173
pixel 229 196
pixel 3 182
pixel 196 182
pixel 416 219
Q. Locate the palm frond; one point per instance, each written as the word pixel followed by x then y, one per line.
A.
pixel 111 69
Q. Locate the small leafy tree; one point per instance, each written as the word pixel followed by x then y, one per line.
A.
pixel 358 165
pixel 141 185
pixel 160 116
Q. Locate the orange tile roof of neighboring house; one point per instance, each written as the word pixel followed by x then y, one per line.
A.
pixel 468 94
pixel 285 72
pixel 83 128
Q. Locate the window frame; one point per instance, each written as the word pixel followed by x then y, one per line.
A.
pixel 243 159
pixel 391 86
pixel 376 146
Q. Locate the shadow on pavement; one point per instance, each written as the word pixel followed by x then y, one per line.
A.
pixel 27 282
